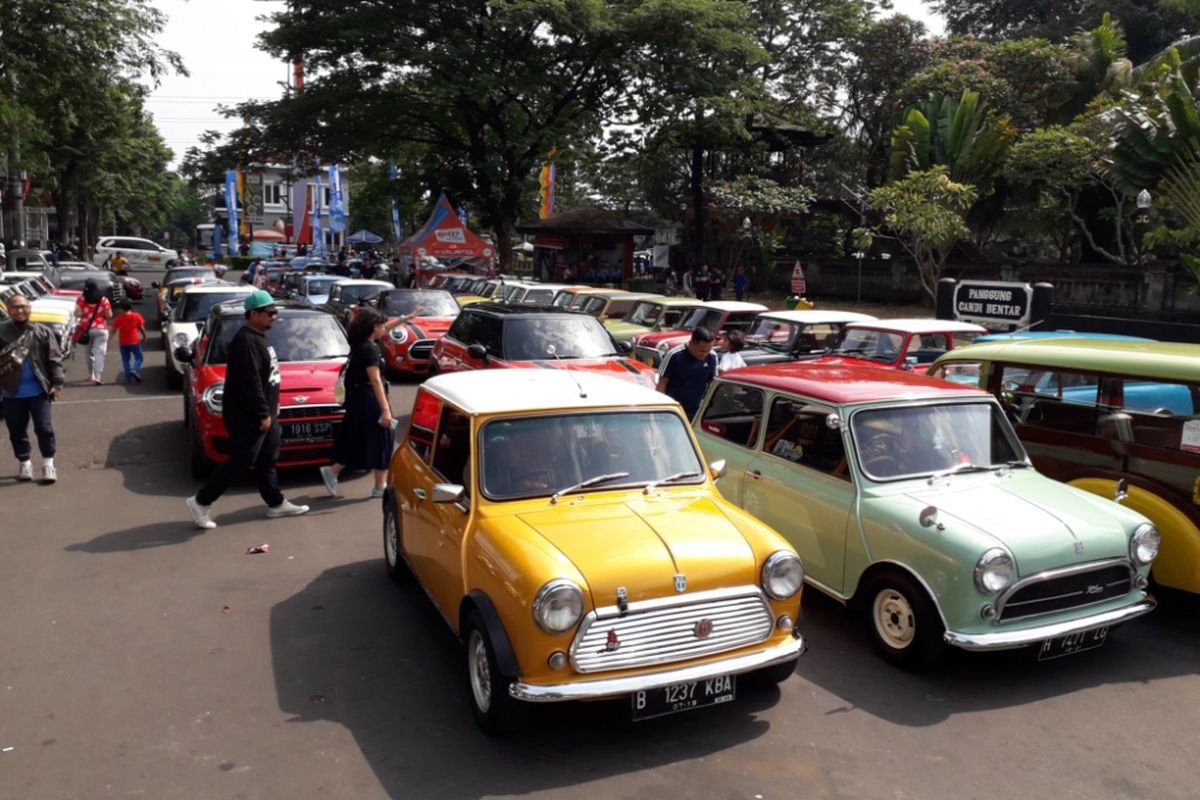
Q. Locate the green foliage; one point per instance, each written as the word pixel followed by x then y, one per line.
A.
pixel 926 211
pixel 960 134
pixel 765 204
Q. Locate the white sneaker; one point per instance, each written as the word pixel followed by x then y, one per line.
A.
pixel 200 514
pixel 49 473
pixel 25 471
pixel 286 509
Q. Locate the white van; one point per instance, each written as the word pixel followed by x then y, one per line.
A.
pixel 142 254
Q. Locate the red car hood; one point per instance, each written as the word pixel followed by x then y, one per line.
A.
pixel 846 361
pixel 653 339
pixel 624 368
pixel 312 380
pixel 66 293
pixel 433 327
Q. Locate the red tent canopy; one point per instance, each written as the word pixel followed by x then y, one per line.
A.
pixel 444 237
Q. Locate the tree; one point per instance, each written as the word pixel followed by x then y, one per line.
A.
pixel 960 134
pixel 763 204
pixel 925 211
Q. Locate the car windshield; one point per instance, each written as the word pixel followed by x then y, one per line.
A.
pixel 646 313
pixel 432 302
pixel 196 305
pixel 190 272
pixel 317 286
pixel 313 336
pixel 352 294
pixel 773 333
pixel 531 338
pixel 868 343
pixel 538 296
pixel 702 317
pixel 538 456
pixel 908 441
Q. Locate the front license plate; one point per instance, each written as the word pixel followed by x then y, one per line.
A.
pixel 1075 643
pixel 307 431
pixel 683 697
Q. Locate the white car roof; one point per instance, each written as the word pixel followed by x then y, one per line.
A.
pixel 214 288
pixel 734 305
pixel 502 391
pixel 921 326
pixel 365 282
pixel 816 317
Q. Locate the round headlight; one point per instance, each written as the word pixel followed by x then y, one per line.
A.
pixel 180 340
pixel 1143 545
pixel 558 606
pixel 782 575
pixel 399 334
pixel 994 572
pixel 213 398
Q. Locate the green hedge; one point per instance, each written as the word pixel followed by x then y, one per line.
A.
pixel 238 262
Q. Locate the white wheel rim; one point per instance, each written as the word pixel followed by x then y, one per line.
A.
pixel 894 619
pixel 391 544
pixel 477 665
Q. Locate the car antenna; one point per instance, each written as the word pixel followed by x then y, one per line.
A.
pixel 553 351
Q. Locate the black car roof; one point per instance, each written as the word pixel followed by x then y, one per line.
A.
pixel 521 310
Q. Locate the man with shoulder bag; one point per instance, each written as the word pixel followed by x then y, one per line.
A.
pixel 31 378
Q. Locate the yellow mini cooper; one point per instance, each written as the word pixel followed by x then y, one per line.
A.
pixel 567 529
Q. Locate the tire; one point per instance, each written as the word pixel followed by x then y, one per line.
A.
pixel 494 710
pixel 772 676
pixel 397 570
pixel 201 466
pixel 903 622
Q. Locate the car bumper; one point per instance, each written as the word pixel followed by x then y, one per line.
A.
pixel 1005 640
pixel 789 650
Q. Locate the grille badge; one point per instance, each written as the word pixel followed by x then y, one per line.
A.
pixel 703 629
pixel 301 398
pixel 681 582
pixel 612 644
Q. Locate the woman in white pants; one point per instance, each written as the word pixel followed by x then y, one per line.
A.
pixel 93 312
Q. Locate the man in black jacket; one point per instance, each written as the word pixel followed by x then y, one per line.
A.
pixel 31 378
pixel 251 410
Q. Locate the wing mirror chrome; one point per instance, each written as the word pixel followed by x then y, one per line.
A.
pixel 717 469
pixel 1122 491
pixel 929 518
pixel 448 493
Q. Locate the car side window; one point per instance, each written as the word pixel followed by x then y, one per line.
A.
pixel 966 373
pixel 734 414
pixel 463 328
pixel 1060 400
pixel 927 347
pixel 796 432
pixel 452 454
pixel 1159 414
pixel 423 424
pixel 487 332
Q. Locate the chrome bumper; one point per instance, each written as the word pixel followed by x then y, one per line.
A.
pixel 1003 640
pixel 790 650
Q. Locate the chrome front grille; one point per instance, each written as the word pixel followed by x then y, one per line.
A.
pixel 1065 589
pixel 304 412
pixel 671 629
pixel 421 349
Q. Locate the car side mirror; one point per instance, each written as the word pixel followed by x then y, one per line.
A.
pixel 154 284
pixel 184 355
pixel 717 469
pixel 624 348
pixel 448 493
pixel 477 351
pixel 1122 491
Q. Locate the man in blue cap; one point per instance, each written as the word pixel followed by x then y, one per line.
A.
pixel 251 410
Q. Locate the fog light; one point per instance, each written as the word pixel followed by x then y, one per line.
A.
pixel 399 359
pixel 784 623
pixel 988 612
pixel 557 660
pixel 1141 582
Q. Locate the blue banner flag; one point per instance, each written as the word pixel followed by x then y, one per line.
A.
pixel 217 241
pixel 462 216
pixel 396 237
pixel 337 208
pixel 231 206
pixel 318 233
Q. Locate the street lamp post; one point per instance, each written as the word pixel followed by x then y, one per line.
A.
pixel 859 255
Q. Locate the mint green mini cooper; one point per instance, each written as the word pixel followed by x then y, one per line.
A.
pixel 912 500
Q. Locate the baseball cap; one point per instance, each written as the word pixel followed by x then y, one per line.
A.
pixel 257 299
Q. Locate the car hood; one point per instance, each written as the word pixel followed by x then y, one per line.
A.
pixel 847 361
pixel 1043 523
pixel 626 369
pixel 433 327
pixel 653 338
pixel 642 544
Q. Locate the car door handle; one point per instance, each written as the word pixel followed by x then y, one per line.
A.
pixel 755 474
pixel 420 493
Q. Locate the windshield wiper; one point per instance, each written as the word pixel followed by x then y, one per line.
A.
pixel 957 468
pixel 612 476
pixel 678 476
pixel 1011 465
pixel 850 351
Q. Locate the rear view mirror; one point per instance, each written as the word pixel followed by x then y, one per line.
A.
pixel 447 493
pixel 717 469
pixel 477 351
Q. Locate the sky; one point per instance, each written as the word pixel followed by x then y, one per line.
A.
pixel 216 39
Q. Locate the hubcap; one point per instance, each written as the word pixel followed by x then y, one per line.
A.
pixel 894 619
pixel 477 665
pixel 391 544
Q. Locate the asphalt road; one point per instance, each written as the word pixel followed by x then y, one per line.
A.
pixel 144 658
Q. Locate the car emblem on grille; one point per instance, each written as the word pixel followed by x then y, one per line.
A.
pixel 612 644
pixel 703 629
pixel 622 601
pixel 1095 588
pixel 681 583
pixel 301 398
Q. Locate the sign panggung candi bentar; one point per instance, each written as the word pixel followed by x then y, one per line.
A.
pixel 993 303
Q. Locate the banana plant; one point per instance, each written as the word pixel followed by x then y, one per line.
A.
pixel 962 135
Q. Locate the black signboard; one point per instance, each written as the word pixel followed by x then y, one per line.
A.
pixel 993 304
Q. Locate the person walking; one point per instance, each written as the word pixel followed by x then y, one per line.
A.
pixel 93 311
pixel 688 288
pixel 732 343
pixel 740 281
pixel 364 438
pixel 251 412
pixel 31 378
pixel 131 335
pixel 686 375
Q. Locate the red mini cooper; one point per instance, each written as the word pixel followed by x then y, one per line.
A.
pixel 311 349
pixel 407 348
pixel 652 347
pixel 492 335
pixel 899 343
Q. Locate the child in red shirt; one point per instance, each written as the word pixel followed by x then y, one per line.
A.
pixel 131 329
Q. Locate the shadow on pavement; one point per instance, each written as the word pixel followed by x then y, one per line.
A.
pixel 841 660
pixel 144 537
pixel 355 649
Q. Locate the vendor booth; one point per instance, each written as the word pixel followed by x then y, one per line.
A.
pixel 584 245
pixel 445 243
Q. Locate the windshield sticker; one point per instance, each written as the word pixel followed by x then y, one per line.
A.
pixel 1191 436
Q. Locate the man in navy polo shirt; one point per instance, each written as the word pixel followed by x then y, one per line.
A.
pixel 686 375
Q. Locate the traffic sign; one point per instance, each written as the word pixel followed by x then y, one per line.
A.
pixel 799 285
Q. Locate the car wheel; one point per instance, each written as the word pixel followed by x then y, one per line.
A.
pixel 201 466
pixel 904 624
pixel 397 570
pixel 495 711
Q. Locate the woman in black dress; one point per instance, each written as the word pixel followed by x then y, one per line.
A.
pixel 363 439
